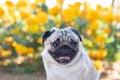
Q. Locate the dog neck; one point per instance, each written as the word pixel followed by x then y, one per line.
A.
pixel 76 70
pixel 54 70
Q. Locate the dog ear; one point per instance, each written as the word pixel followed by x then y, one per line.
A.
pixel 46 35
pixel 77 33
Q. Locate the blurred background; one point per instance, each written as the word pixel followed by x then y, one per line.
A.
pixel 22 23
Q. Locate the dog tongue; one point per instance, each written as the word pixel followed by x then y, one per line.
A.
pixel 64 58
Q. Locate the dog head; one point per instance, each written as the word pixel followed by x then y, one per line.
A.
pixel 62 44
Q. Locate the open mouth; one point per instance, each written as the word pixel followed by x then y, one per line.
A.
pixel 63 54
pixel 63 59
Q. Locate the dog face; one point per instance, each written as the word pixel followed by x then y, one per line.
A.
pixel 62 44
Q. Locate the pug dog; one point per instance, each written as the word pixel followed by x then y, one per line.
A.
pixel 64 56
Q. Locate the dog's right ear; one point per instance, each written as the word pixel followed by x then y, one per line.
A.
pixel 46 35
pixel 77 33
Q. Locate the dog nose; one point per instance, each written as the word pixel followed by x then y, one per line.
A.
pixel 65 50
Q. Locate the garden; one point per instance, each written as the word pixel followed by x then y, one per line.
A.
pixel 22 25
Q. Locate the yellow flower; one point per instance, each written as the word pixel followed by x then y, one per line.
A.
pixel 118 17
pixel 54 11
pixel 89 32
pixel 39 40
pixel 9 39
pixel 40 49
pixel 24 13
pixel 108 9
pixel 95 25
pixel 14 44
pixel 98 54
pixel 20 49
pixel 98 64
pixel 107 30
pixel 76 8
pixel 118 34
pixel 68 14
pixel 41 17
pixel 6 53
pixel 31 55
pixel 42 28
pixel 100 39
pixel 72 23
pixel 33 5
pixel 108 18
pixel 92 54
pixel 0 49
pixel 2 12
pixel 104 52
pixel 9 4
pixel 93 15
pixel 60 1
pixel 90 44
pixel 6 62
pixel 30 50
pixel 33 28
pixel 101 54
pixel 24 49
pixel 31 20
pixel 22 4
pixel 100 9
pixel 77 4
pixel 39 1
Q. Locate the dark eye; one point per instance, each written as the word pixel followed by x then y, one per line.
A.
pixel 55 44
pixel 73 43
pixel 58 40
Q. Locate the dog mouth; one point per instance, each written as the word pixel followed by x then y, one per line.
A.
pixel 64 53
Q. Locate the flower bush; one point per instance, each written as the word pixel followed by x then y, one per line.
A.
pixel 22 25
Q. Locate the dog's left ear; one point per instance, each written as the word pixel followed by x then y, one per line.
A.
pixel 77 33
pixel 46 35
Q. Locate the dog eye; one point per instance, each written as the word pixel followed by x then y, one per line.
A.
pixel 73 43
pixel 55 44
pixel 58 40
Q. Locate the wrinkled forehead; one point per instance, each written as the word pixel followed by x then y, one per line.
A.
pixel 63 32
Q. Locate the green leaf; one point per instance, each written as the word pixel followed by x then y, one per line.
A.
pixel 43 7
pixel 81 22
pixel 50 24
pixel 117 56
pixel 63 25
